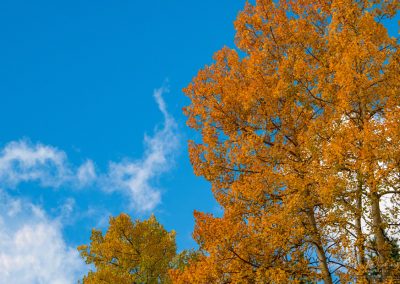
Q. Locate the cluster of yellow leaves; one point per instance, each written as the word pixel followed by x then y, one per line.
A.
pixel 130 252
pixel 301 143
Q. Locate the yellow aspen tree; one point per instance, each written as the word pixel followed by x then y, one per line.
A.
pixel 130 252
pixel 300 141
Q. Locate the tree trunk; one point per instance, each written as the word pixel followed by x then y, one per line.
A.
pixel 360 242
pixel 323 262
pixel 381 243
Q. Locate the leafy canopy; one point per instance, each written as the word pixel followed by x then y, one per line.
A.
pixel 301 143
pixel 130 252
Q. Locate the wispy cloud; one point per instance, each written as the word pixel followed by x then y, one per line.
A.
pixel 135 177
pixel 32 249
pixel 23 161
pixel 86 174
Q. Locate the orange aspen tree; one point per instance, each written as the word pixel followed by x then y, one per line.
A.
pixel 301 143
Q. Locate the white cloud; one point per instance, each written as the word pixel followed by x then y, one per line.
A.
pixel 22 161
pixel 14 207
pixel 134 178
pixel 86 174
pixel 66 209
pixel 32 249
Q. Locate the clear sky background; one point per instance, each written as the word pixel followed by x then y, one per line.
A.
pixel 91 123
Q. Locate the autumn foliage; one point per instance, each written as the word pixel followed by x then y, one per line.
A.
pixel 300 140
pixel 301 143
pixel 130 252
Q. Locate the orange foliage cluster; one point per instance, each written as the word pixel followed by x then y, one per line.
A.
pixel 301 143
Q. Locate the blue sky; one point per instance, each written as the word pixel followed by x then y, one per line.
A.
pixel 82 128
pixel 92 125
